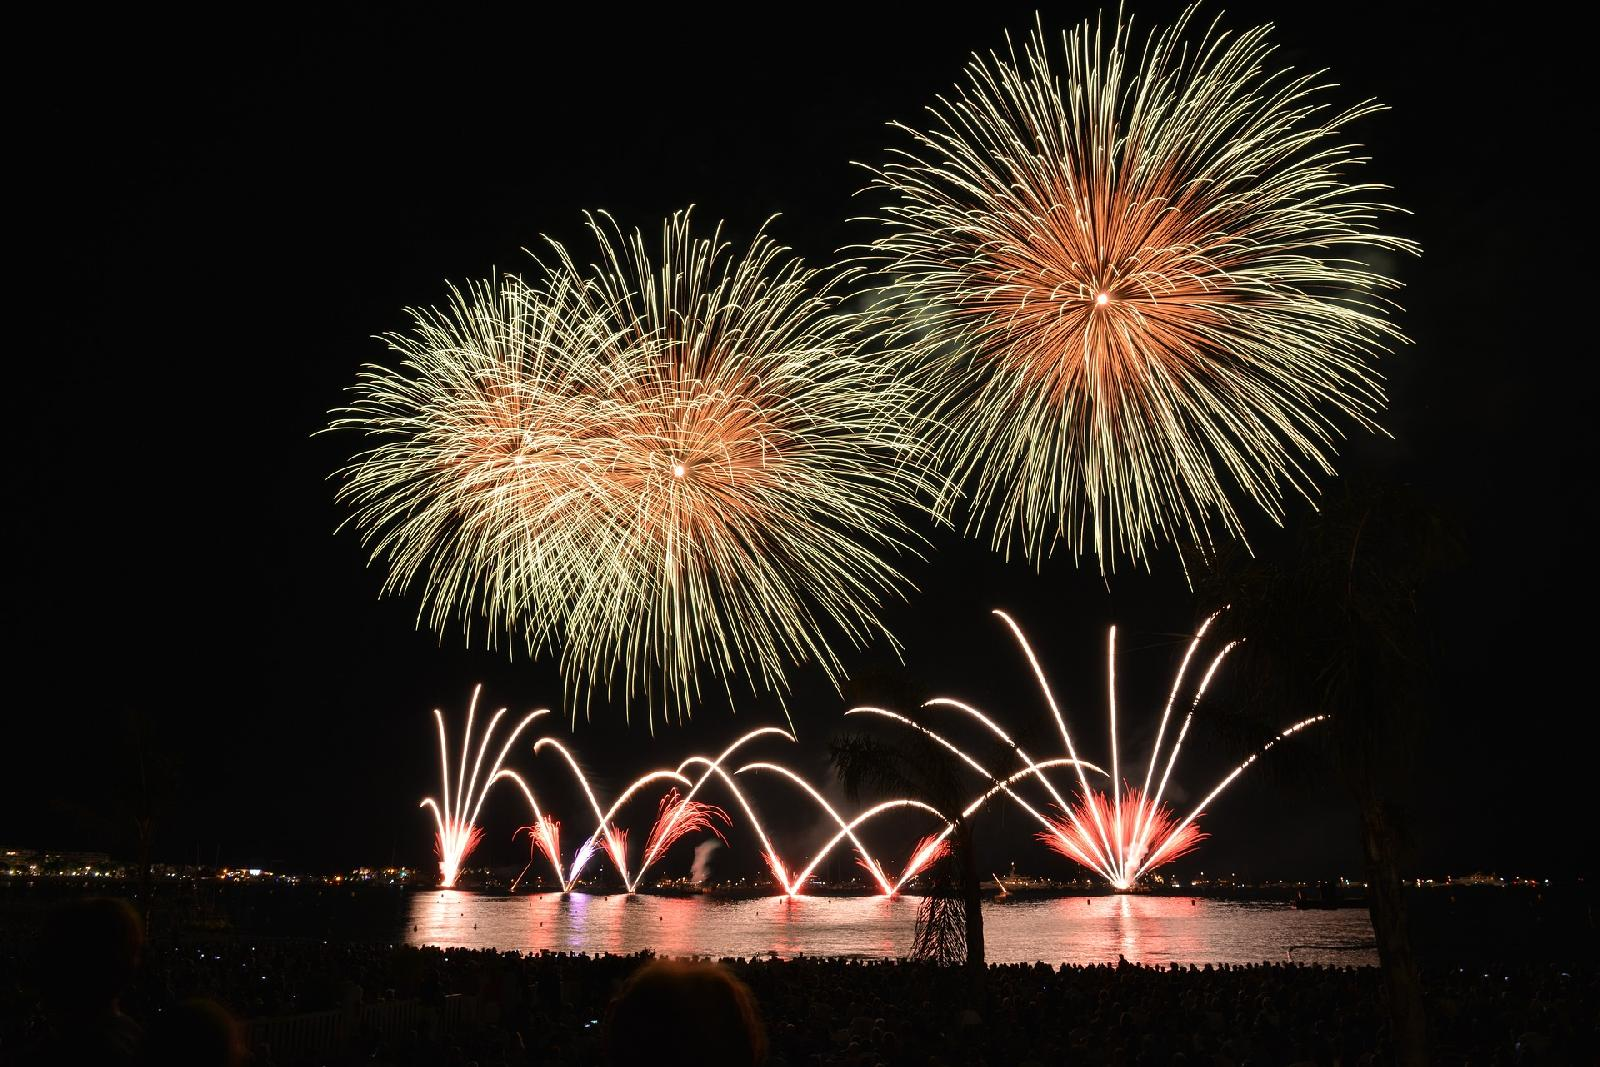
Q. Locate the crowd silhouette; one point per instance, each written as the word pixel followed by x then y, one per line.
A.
pixel 88 989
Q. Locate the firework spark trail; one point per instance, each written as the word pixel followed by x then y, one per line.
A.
pixel 614 840
pixel 1172 697
pixel 616 846
pixel 1004 785
pixel 676 816
pixel 453 845
pixel 1158 856
pixel 769 852
pixel 1116 772
pixel 457 833
pixel 994 728
pixel 547 825
pixel 581 859
pixel 781 876
pixel 846 829
pixel 1134 270
pixel 547 839
pixel 674 466
pixel 792 886
pixel 651 851
pixel 1121 837
pixel 1055 709
pixel 989 794
pixel 1065 838
pixel 1143 841
pixel 928 851
pixel 544 838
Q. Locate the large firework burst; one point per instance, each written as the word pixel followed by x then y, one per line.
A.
pixel 665 464
pixel 1145 279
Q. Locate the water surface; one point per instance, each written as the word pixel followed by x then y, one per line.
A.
pixel 1143 929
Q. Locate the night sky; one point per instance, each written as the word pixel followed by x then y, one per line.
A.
pixel 216 217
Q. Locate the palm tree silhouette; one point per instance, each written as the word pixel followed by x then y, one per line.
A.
pixel 915 767
pixel 1330 622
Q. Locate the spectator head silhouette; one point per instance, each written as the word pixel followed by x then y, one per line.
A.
pixel 90 952
pixel 195 1033
pixel 673 1012
pixel 87 956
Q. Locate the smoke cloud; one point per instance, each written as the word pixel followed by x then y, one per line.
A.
pixel 702 860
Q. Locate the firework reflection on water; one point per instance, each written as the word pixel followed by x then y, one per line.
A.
pixel 1144 929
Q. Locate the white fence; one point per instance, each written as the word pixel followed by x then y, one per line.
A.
pixel 293 1038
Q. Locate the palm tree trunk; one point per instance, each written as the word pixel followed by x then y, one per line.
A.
pixel 146 834
pixel 1386 904
pixel 144 820
pixel 971 898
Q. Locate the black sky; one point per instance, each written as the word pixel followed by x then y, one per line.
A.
pixel 214 217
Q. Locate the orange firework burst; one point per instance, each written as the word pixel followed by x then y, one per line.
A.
pixel 1147 281
pixel 678 463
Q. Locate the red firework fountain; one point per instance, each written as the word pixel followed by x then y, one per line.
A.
pixel 455 818
pixel 779 874
pixel 453 844
pixel 676 816
pixel 1121 837
pixel 1128 834
pixel 616 845
pixel 548 838
pixel 870 865
pixel 1137 838
pixel 930 850
pixel 544 838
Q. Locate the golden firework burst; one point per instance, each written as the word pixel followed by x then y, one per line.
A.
pixel 665 465
pixel 1147 282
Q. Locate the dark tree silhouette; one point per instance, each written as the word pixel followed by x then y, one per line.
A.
pixel 1330 622
pixel 941 932
pixel 914 766
pixel 144 791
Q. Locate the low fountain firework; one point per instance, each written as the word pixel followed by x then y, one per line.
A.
pixel 1121 835
pixel 457 833
pixel 677 816
pixel 928 851
pixel 1125 836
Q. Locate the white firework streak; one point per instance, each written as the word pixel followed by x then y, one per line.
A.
pixel 1119 846
pixel 603 828
pixel 1114 845
pixel 456 820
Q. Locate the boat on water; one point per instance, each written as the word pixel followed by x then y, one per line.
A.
pixel 1327 896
